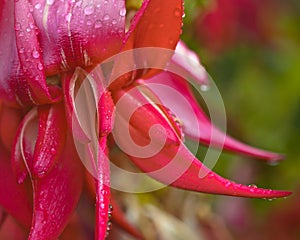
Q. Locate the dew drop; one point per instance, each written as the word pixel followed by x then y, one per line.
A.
pixel 228 184
pixel 17 26
pixel 40 66
pixel 177 12
pixel 204 88
pixel 89 22
pixel 98 24
pixel 106 17
pixel 68 17
pixel 88 10
pixel 35 54
pixel 50 2
pixel 37 6
pixel 252 187
pixel 123 12
pixel 52 150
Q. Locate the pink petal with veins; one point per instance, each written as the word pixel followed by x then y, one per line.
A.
pixel 78 33
pixel 208 133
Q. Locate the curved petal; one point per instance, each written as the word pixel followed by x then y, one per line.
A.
pixel 56 196
pixel 208 133
pixel 162 31
pixel 188 63
pixel 173 163
pixel 31 68
pixel 78 33
pixel 50 139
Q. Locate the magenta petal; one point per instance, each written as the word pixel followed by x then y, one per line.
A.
pixel 14 198
pixel 51 138
pixel 56 196
pixel 208 133
pixel 31 73
pixel 78 33
pixel 176 166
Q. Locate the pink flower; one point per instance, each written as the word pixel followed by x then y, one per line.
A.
pixel 50 50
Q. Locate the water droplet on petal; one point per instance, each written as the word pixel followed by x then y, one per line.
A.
pixel 50 2
pixel 35 54
pixel 40 66
pixel 252 187
pixel 123 12
pixel 88 10
pixel 177 12
pixel 98 24
pixel 204 88
pixel 37 6
pixel 106 17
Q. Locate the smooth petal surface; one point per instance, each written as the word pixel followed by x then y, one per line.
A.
pixel 31 69
pixel 56 196
pixel 14 198
pixel 207 132
pixel 10 119
pixel 78 33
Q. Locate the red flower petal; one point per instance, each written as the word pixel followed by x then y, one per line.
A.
pixel 173 163
pixel 31 74
pixel 208 133
pixel 162 31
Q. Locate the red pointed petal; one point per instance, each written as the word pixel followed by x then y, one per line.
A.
pixel 173 163
pixel 208 133
pixel 56 195
pixel 83 33
pixel 162 31
pixel 157 24
pixel 14 198
pixel 50 140
pixel 184 171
